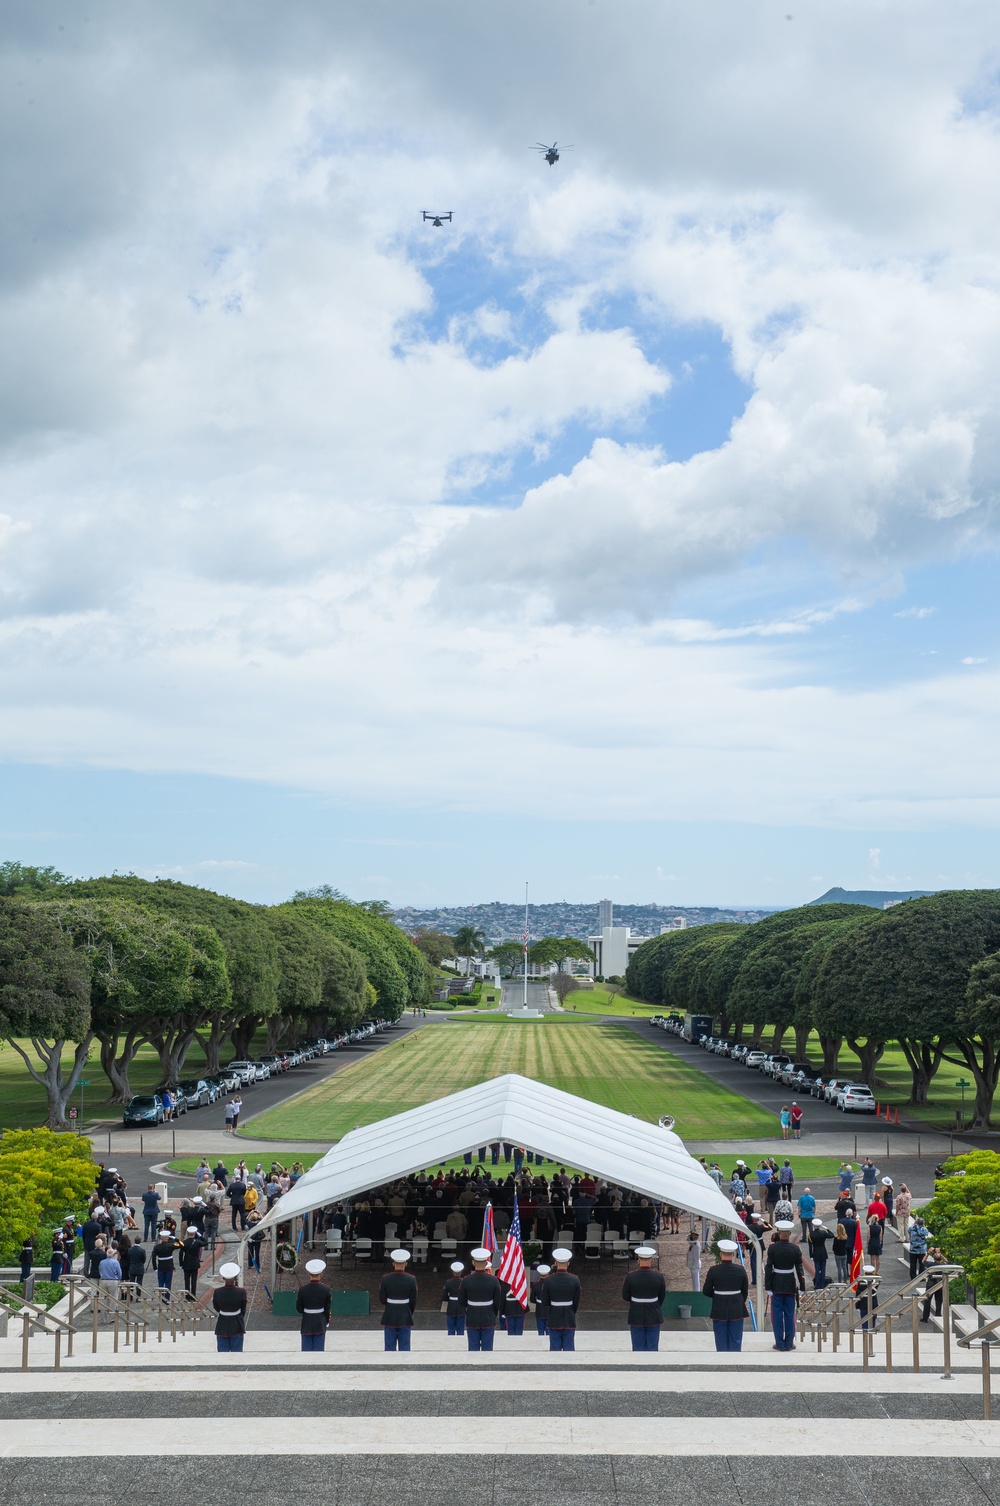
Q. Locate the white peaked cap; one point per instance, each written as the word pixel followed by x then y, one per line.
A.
pixel 399 1256
pixel 869 1270
pixel 562 1254
pixel 817 1222
pixel 784 1225
pixel 457 1265
pixel 480 1254
pixel 646 1252
pixel 192 1229
pixel 543 1270
pixel 229 1270
pixel 728 1246
pixel 315 1267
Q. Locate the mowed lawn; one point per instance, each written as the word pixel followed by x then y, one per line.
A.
pixel 605 1063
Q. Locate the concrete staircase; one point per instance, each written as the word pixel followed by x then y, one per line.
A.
pixel 440 1426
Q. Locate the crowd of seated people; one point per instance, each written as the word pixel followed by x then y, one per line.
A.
pixel 452 1206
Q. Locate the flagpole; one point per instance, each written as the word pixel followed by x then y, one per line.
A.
pixel 526 938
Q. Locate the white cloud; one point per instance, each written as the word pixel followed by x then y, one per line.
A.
pixel 918 612
pixel 247 396
pixel 874 857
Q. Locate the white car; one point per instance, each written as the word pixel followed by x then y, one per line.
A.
pixel 754 1058
pixel 244 1070
pixel 857 1098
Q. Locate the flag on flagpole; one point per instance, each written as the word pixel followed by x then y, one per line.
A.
pixel 512 1265
pixel 489 1233
pixel 857 1256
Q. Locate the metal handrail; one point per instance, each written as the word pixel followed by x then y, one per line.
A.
pixel 33 1316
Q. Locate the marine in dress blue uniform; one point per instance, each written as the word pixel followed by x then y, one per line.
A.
pixel 561 1295
pixel 541 1311
pixel 783 1278
pixel 644 1291
pixel 727 1285
pixel 479 1298
pixel 452 1287
pixel 398 1294
pixel 313 1302
pixel 230 1302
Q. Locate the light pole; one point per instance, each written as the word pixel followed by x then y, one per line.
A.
pixel 962 1084
pixel 84 1083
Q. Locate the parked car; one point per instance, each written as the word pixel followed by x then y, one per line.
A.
pixel 856 1098
pixel 244 1071
pixel 196 1091
pixel 833 1087
pixel 777 1064
pixel 144 1108
pixel 754 1058
pixel 261 1071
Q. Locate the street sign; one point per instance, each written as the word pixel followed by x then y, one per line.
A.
pixel 72 1113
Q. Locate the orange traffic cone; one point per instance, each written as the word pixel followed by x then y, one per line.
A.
pixel 897 1116
pixel 878 1110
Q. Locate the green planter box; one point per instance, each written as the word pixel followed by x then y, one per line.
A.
pixel 344 1305
pixel 700 1305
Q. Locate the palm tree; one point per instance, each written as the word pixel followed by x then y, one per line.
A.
pixel 469 942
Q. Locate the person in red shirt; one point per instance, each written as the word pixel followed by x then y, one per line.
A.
pixel 877 1209
pixel 796 1121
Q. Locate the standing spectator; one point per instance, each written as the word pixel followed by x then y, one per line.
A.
pixel 229 1116
pixel 715 1172
pixel 237 1201
pixel 221 1174
pixel 692 1256
pixel 786 1120
pixel 877 1209
pixel 845 1177
pixel 786 1178
pixel 807 1212
pixel 784 1213
pixel 110 1272
pixel 136 1267
pixel 737 1187
pixel 889 1199
pixel 934 1257
pixel 902 1209
pixel 818 1239
pixel 237 1104
pixel 869 1178
pixel 875 1227
pixel 764 1176
pixel 168 1105
pixel 917 1246
pixel 210 1221
pixel 796 1122
pixel 840 1253
pixel 150 1211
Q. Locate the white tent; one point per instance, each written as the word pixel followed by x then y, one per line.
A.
pixel 566 1129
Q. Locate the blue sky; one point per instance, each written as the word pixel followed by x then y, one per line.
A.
pixel 634 533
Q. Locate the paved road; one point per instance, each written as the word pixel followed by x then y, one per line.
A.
pixel 538 995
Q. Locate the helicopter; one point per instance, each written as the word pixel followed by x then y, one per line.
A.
pixel 551 153
pixel 436 219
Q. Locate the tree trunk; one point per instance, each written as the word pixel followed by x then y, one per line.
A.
pixel 869 1056
pixel 777 1036
pixel 801 1042
pixel 985 1074
pixel 58 1088
pixel 831 1045
pixel 115 1064
pixel 278 1027
pixel 242 1034
pixel 923 1059
pixel 172 1047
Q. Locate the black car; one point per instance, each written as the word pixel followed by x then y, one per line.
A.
pixel 196 1092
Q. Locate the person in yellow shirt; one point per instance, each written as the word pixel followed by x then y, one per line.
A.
pixel 250 1198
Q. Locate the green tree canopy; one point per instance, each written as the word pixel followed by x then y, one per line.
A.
pixel 400 976
pixel 322 986
pixel 21 878
pixel 44 1000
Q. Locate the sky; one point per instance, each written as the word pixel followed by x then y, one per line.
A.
pixel 634 533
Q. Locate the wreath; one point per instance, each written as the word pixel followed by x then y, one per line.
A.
pixel 286 1257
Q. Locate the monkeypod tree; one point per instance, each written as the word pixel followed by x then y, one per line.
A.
pixel 765 985
pixel 399 974
pixel 44 1001
pixel 651 967
pixel 322 983
pixel 434 945
pixel 978 1040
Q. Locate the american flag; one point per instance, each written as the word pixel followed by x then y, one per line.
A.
pixel 512 1264
pixel 489 1233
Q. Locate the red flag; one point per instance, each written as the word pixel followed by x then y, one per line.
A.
pixel 512 1264
pixel 857 1257
pixel 489 1235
